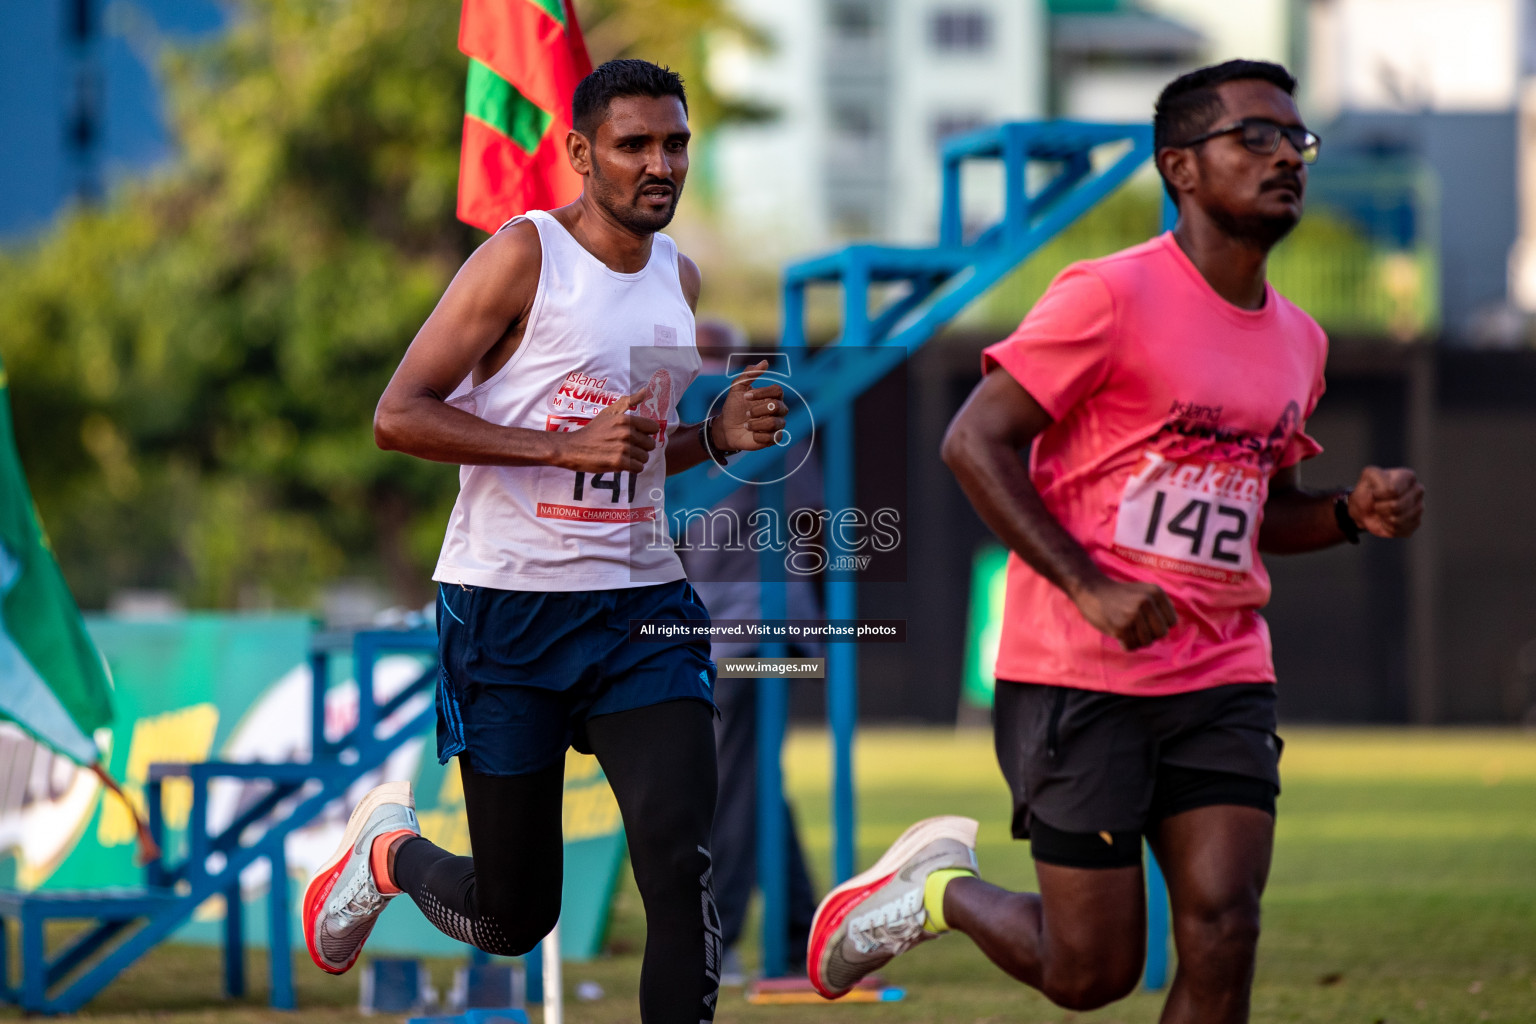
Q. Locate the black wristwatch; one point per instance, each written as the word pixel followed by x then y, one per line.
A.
pixel 719 455
pixel 1347 525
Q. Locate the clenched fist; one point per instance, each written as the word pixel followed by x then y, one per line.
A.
pixel 750 418
pixel 1135 614
pixel 614 440
pixel 1387 502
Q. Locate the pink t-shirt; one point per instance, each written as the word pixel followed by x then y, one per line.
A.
pixel 1172 407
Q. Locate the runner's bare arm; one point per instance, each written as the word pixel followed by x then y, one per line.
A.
pixel 746 420
pixel 475 328
pixel 1384 502
pixel 982 448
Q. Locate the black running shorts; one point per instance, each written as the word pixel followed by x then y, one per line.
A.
pixel 1081 763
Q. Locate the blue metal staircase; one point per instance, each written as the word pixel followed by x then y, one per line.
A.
pixel 894 299
pixel 124 924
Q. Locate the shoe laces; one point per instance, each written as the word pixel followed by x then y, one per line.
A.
pixel 359 899
pixel 893 935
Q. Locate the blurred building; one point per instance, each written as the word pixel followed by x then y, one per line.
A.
pixel 1110 58
pixel 79 104
pixel 1435 83
pixel 864 91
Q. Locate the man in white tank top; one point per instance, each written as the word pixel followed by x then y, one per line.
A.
pixel 551 372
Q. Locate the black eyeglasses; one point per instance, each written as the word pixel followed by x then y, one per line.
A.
pixel 1263 137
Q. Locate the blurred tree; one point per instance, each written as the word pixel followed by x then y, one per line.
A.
pixel 195 363
pixel 674 33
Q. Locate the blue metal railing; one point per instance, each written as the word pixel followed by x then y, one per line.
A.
pixel 128 923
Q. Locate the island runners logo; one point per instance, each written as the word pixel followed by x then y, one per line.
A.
pixel 1206 435
pixel 580 397
pixel 583 394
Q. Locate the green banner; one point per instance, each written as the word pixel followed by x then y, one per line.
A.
pixel 237 688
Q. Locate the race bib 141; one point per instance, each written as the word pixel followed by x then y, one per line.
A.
pixel 591 497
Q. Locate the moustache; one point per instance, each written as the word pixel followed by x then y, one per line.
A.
pixel 1284 181
pixel 656 183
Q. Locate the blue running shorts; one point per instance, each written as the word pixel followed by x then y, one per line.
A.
pixel 521 671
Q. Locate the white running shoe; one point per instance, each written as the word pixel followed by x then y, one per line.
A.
pixel 873 917
pixel 342 901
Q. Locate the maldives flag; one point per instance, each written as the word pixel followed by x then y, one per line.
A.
pixel 525 58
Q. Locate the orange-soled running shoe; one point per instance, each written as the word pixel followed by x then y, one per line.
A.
pixel 342 901
pixel 872 917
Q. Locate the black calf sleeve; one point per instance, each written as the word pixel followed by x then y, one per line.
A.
pixel 507 897
pixel 660 761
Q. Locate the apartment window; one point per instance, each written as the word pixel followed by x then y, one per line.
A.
pixel 960 30
pixel 854 122
pixel 853 223
pixel 946 126
pixel 852 19
pixel 855 145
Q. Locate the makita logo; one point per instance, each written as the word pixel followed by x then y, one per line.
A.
pixel 1215 478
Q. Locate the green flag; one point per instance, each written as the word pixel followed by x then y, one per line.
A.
pixel 52 680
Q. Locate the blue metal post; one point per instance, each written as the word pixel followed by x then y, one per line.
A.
pixel 1158 926
pixel 34 961
pixel 364 653
pixel 154 871
pixel 197 826
pixel 951 214
pixel 772 717
pixel 794 315
pixel 842 658
pixel 234 941
pixel 319 674
pixel 533 974
pixel 855 299
pixel 279 944
pixel 1015 187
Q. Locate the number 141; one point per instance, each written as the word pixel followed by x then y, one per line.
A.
pixel 611 482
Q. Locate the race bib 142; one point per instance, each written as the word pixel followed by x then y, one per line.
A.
pixel 1194 517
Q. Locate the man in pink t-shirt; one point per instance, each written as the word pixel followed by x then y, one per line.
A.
pixel 1162 395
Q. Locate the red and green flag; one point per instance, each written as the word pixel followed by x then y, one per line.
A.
pixel 525 58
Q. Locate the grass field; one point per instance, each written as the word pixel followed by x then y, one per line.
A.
pixel 1403 890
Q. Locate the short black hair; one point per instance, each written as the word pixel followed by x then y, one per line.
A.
pixel 616 78
pixel 1190 103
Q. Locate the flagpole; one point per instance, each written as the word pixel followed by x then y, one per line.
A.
pixel 149 850
pixel 554 1006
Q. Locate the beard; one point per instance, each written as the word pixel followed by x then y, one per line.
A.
pixel 1255 230
pixel 626 209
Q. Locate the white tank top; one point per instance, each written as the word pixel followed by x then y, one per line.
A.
pixel 593 336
